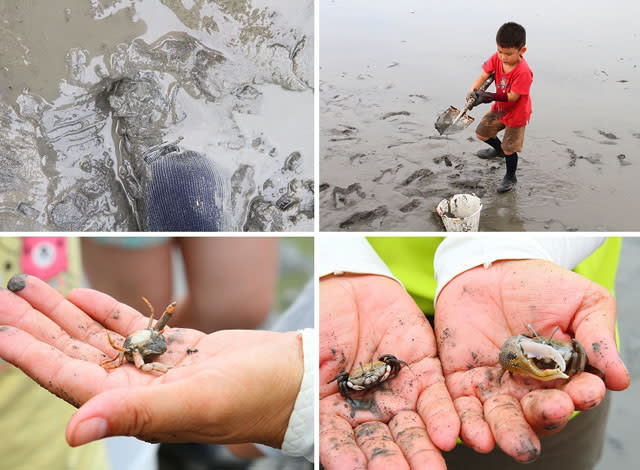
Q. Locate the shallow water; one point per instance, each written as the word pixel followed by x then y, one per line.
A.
pixel 388 69
pixel 88 86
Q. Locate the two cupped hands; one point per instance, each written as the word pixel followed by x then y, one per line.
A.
pixel 452 387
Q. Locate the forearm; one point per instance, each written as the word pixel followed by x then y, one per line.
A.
pixel 479 81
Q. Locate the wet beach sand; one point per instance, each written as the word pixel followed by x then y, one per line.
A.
pixel 387 70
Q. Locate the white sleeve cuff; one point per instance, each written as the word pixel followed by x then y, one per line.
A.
pixel 349 255
pixel 298 439
pixel 458 254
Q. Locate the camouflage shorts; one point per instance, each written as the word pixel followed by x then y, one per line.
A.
pixel 513 138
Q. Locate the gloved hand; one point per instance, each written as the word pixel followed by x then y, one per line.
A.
pixel 480 97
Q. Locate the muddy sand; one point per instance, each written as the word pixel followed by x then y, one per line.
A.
pixel 388 70
pixel 88 87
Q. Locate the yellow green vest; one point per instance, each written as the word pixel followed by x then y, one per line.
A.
pixel 410 259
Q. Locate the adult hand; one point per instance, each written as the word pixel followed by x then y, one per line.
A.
pixel 226 387
pixel 480 308
pixel 406 420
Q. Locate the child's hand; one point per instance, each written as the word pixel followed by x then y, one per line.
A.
pixel 480 97
pixel 470 94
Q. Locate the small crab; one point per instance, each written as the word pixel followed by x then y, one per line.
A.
pixel 144 345
pixel 544 358
pixel 369 375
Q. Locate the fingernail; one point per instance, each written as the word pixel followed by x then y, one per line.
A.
pixel 17 283
pixel 89 430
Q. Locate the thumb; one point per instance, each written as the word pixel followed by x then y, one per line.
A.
pixel 138 411
pixel 596 324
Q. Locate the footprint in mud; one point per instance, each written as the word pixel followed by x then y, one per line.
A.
pixel 343 132
pixel 608 135
pixel 414 204
pixel 343 197
pixel 444 158
pixel 475 186
pixel 558 225
pixel 387 174
pixel 363 219
pixel 357 158
pixel 418 175
pixel 346 130
pixel 395 113
pixel 422 97
pixel 594 159
pixel 400 143
pixel 581 134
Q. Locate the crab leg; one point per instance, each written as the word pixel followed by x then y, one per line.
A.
pixel 148 367
pixel 114 346
pixel 156 367
pixel 153 312
pixel 115 362
pixel 166 316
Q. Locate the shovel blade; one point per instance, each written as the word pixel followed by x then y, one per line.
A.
pixel 443 123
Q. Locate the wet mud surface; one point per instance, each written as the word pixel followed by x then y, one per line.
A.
pixel 388 70
pixel 89 88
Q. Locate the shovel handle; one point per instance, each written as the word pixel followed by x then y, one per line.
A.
pixel 487 82
pixel 484 87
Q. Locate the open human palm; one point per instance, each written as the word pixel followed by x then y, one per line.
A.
pixel 481 308
pixel 402 422
pixel 214 391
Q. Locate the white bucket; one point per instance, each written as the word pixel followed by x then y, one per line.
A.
pixel 460 213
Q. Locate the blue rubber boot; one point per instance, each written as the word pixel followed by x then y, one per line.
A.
pixel 184 195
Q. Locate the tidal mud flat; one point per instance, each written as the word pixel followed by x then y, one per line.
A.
pixel 87 87
pixel 387 72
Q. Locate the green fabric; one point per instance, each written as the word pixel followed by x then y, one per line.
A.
pixel 410 259
pixel 602 264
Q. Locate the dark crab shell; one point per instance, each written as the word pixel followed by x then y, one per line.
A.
pixel 369 375
pixel 148 342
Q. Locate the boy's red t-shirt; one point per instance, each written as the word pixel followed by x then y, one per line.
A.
pixel 519 80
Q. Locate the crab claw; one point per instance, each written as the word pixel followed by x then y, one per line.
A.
pixel 522 354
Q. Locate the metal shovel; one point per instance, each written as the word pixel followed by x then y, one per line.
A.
pixel 454 120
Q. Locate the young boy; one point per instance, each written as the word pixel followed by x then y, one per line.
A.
pixel 512 105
